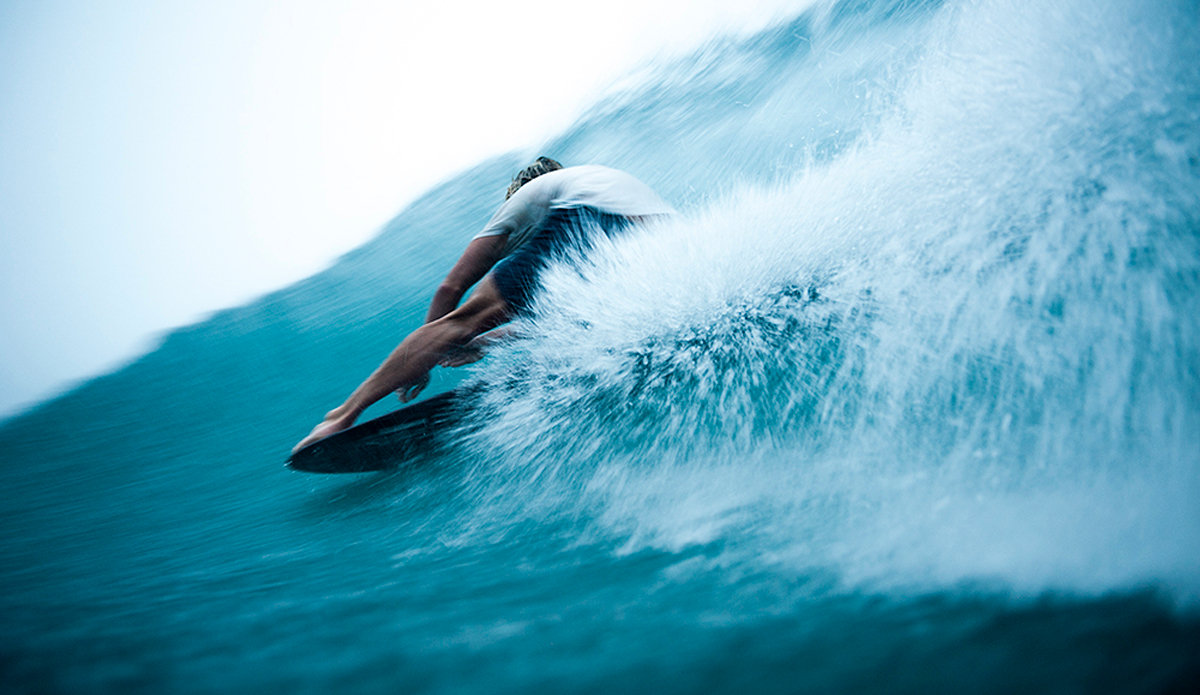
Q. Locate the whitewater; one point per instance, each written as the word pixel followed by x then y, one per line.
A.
pixel 906 399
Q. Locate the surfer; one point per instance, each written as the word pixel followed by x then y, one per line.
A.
pixel 548 210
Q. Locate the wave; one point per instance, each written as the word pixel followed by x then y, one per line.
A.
pixel 928 317
pixel 958 343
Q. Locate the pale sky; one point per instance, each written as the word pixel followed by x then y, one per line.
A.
pixel 162 160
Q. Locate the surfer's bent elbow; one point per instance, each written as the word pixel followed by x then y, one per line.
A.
pixel 445 299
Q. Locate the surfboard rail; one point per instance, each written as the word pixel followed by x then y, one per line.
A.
pixel 386 442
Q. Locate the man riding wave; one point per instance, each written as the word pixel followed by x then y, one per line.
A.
pixel 547 211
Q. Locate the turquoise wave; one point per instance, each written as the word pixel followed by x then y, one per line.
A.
pixel 906 400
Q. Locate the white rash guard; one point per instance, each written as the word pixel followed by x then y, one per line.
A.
pixel 607 190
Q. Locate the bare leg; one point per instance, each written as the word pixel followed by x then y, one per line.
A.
pixel 475 350
pixel 410 362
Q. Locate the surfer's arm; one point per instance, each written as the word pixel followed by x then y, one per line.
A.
pixel 478 258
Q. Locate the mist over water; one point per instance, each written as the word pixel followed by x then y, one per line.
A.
pixel 907 399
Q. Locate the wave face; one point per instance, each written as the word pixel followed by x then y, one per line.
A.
pixel 906 400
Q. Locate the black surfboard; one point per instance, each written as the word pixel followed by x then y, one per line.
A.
pixel 387 442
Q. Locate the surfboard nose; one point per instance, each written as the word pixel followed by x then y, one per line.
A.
pixel 388 442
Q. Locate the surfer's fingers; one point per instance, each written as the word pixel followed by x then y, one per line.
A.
pixel 411 391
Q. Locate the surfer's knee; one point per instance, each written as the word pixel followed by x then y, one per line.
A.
pixel 466 326
pixel 479 314
pixel 455 329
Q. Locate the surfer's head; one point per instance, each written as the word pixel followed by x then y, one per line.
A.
pixel 543 165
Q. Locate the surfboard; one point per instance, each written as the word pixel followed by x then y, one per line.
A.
pixel 387 442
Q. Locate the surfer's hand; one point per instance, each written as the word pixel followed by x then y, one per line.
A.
pixel 411 391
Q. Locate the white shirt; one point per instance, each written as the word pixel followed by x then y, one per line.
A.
pixel 600 187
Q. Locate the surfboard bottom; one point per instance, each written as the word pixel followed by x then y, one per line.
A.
pixel 389 441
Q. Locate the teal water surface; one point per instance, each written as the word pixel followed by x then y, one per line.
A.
pixel 906 400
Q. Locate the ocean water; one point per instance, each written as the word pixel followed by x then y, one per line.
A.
pixel 906 400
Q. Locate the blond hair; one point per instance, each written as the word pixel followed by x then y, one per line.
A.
pixel 543 165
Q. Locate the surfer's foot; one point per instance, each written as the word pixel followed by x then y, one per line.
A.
pixel 333 423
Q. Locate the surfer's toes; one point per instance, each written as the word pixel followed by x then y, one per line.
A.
pixel 303 443
pixel 319 432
